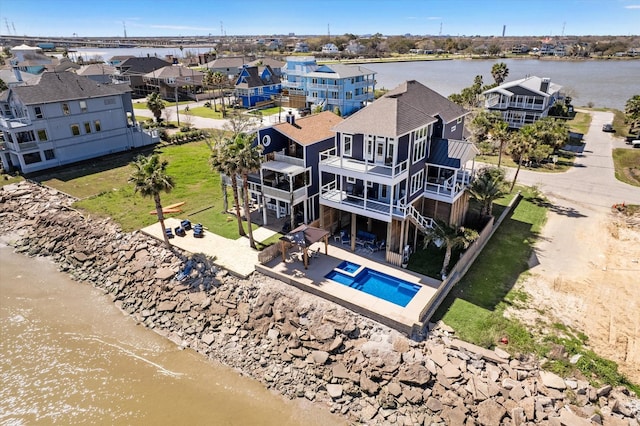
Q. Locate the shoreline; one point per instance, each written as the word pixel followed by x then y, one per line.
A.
pixel 296 344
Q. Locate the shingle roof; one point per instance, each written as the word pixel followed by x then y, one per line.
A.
pixel 407 107
pixel 254 79
pixel 451 153
pixel 96 69
pixel 229 62
pixel 273 63
pixel 64 86
pixel 310 129
pixel 531 83
pixel 141 65
pixel 175 71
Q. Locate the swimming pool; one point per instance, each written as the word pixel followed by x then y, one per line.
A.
pixel 378 284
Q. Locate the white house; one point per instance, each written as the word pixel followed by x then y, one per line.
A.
pixel 330 49
pixel 62 118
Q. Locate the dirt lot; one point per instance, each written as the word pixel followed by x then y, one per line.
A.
pixel 588 278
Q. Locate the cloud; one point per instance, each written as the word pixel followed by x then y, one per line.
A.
pixel 434 18
pixel 633 6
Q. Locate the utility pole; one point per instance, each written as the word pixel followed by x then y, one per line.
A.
pixel 177 108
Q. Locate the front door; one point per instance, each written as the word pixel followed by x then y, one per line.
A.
pixel 380 151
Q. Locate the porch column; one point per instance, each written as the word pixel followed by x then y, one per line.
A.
pixel 306 214
pixel 322 224
pixel 353 231
pixel 369 224
pixel 264 210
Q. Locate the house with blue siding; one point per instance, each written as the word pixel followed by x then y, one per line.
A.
pixel 397 165
pixel 255 86
pixel 288 183
pixel 335 87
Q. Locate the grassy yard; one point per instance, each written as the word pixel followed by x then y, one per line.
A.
pixel 626 163
pixel 103 189
pixel 565 162
pixel 580 123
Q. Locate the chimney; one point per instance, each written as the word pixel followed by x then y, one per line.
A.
pixel 16 71
pixel 544 86
pixel 291 119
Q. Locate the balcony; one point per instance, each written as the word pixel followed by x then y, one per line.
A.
pixel 332 163
pixel 298 195
pixel 331 195
pixel 14 123
pixel 448 189
pixel 288 159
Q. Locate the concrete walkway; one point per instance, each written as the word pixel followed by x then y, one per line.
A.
pixel 233 255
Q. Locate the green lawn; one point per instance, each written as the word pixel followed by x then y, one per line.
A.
pixel 104 190
pixel 205 112
pixel 626 163
pixel 580 123
pixel 565 162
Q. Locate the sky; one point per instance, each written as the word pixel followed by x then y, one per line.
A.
pixel 155 18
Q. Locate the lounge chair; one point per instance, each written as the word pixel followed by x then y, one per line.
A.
pixel 198 231
pixel 345 238
pixel 169 232
pixel 374 247
pixel 186 224
pixel 182 275
pixel 180 232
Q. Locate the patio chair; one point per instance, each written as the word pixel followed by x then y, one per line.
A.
pixel 198 231
pixel 180 232
pixel 186 224
pixel 345 238
pixel 169 232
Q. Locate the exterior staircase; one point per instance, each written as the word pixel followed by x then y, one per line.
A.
pixel 423 223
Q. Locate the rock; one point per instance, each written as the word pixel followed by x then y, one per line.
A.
pixel 434 404
pixel 334 391
pixel 394 389
pixel 319 357
pixel 164 274
pixel 208 338
pixel 414 374
pixel 368 386
pixel 324 332
pixel 368 413
pixel 339 371
pixel 336 344
pixel 502 353
pixel 273 334
pixel 604 390
pixel 552 381
pixel 451 371
pixel 167 306
pixel 574 359
pixel 490 413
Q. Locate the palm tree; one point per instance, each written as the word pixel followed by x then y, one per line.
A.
pixel 487 187
pixel 450 237
pixel 218 79
pixel 632 114
pixel 149 177
pixel 249 159
pixel 522 144
pixel 224 161
pixel 499 72
pixel 500 133
pixel 207 81
pixel 155 105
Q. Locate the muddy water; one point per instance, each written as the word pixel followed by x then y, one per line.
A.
pixel 68 356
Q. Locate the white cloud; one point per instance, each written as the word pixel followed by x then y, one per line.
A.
pixel 434 18
pixel 633 6
pixel 180 27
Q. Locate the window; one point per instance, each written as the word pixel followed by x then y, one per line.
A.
pixel 75 129
pixel 42 135
pixel 347 142
pixel 459 120
pixel 65 109
pixel 351 179
pixel 369 145
pixel 39 113
pixel 49 154
pixel 83 106
pixel 87 127
pixel 96 125
pixel 419 144
pixel 417 182
pixel 31 158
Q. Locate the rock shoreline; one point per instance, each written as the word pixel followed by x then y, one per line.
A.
pixel 297 344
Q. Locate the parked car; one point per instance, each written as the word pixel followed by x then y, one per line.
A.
pixel 608 127
pixel 635 144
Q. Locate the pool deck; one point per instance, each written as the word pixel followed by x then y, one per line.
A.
pixel 239 259
pixel 313 280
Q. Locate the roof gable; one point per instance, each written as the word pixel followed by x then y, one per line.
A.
pixel 310 129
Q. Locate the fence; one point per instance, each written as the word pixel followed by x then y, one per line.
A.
pixel 465 262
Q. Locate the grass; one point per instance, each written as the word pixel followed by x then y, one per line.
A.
pixel 205 112
pixel 475 307
pixel 565 162
pixel 103 190
pixel 580 122
pixel 626 163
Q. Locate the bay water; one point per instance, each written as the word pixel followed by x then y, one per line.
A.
pixel 69 356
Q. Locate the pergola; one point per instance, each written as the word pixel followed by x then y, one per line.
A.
pixel 304 236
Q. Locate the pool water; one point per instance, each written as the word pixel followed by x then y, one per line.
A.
pixel 378 284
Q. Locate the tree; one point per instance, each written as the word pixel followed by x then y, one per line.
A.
pixel 522 144
pixel 224 160
pixel 451 238
pixel 488 186
pixel 469 96
pixel 499 72
pixel 207 82
pixel 482 123
pixel 632 114
pixel 500 133
pixel 155 105
pixel 3 85
pixel 249 159
pixel 218 79
pixel 150 178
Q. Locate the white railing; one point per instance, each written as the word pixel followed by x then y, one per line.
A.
pixel 284 194
pixel 330 158
pixel 9 123
pixel 331 192
pixel 288 159
pixel 423 222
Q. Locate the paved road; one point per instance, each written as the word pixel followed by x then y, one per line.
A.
pixel 591 182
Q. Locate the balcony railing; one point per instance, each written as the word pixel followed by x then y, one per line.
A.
pixel 288 159
pixel 298 194
pixel 450 187
pixel 330 159
pixel 331 192
pixel 12 123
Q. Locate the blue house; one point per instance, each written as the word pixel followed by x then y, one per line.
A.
pixel 255 88
pixel 288 184
pixel 397 165
pixel 336 87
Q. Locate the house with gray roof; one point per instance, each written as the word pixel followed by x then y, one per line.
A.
pixel 175 82
pixel 334 87
pixel 229 66
pixel 100 73
pixel 523 101
pixel 62 118
pixel 397 164
pixel 131 71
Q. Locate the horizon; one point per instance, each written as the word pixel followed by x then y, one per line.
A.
pixel 162 18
